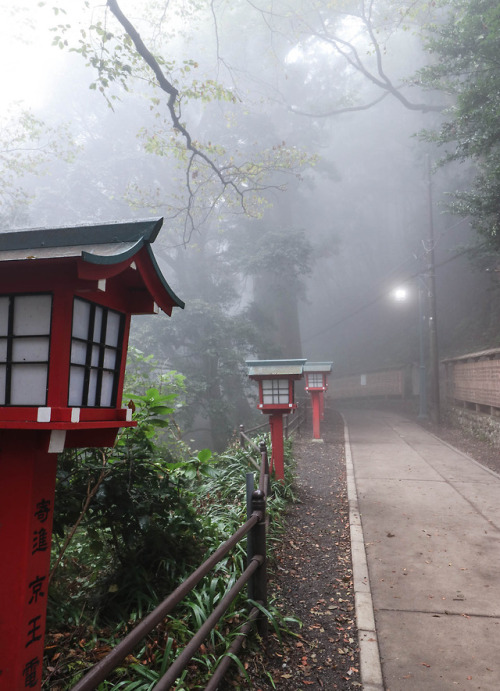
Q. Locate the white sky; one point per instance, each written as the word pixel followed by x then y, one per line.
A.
pixel 26 57
pixel 29 64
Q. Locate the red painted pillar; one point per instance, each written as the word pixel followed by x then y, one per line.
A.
pixel 277 457
pixel 322 405
pixel 315 400
pixel 27 487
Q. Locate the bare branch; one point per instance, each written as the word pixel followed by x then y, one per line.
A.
pixel 340 111
pixel 173 94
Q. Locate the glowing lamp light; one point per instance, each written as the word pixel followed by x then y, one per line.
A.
pixel 400 294
pixel 66 300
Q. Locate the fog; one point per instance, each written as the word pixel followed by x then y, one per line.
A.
pixel 332 204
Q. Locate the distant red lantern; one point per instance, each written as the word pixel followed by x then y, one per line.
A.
pixel 276 398
pixel 66 299
pixel 316 384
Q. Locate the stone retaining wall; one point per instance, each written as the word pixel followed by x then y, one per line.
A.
pixel 476 424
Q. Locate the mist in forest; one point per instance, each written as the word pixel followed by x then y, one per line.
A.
pixel 331 209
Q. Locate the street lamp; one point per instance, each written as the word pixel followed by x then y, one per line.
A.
pixel 401 294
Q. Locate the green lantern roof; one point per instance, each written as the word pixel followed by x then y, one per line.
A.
pixel 269 368
pixel 322 367
pixel 105 245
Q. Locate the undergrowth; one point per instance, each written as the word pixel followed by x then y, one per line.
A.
pixel 154 518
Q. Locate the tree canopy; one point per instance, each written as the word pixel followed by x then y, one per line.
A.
pixel 465 49
pixel 277 141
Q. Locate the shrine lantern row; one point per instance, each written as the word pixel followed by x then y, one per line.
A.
pixel 276 380
pixel 66 300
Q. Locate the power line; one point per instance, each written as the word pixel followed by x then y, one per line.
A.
pixel 387 292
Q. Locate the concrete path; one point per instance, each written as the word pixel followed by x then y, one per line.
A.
pixel 427 517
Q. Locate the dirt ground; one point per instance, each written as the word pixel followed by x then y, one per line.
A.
pixel 312 576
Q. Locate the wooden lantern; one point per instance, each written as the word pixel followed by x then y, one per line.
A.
pixel 66 299
pixel 316 384
pixel 276 398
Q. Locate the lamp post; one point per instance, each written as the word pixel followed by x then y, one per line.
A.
pixel 316 385
pixel 66 300
pixel 431 292
pixel 422 388
pixel 276 398
pixel 400 294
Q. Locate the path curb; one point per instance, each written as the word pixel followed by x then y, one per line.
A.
pixel 369 655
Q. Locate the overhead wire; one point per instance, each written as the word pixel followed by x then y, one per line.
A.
pixel 384 293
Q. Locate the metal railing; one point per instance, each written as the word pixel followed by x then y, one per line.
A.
pixel 291 425
pixel 255 575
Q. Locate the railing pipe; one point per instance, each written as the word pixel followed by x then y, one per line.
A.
pixel 99 672
pixel 234 648
pixel 180 663
pixel 244 437
pixel 257 427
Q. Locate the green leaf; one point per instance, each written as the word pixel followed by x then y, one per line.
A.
pixel 204 455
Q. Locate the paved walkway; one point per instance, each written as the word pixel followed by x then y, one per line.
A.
pixel 427 517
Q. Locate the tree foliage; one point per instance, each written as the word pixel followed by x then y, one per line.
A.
pixel 129 506
pixel 27 146
pixel 214 176
pixel 465 48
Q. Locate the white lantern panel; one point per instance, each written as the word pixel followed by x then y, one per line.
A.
pixel 107 388
pixel 32 315
pixel 4 316
pixel 113 329
pixel 78 352
pixel 30 350
pixel 315 379
pixel 3 375
pixel 76 383
pixel 28 385
pixel 110 358
pixel 81 319
pixel 92 392
pixel 95 356
pixel 97 324
pixel 3 349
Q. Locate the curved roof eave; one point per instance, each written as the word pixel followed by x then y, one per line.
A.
pixel 155 281
pixel 128 251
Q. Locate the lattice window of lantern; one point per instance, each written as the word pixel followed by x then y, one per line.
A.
pixel 315 379
pixel 96 341
pixel 275 391
pixel 24 349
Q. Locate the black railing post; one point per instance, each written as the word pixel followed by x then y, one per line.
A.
pixel 264 479
pixel 250 487
pixel 257 539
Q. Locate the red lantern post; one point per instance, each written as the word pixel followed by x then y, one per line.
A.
pixel 66 298
pixel 316 384
pixel 276 398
